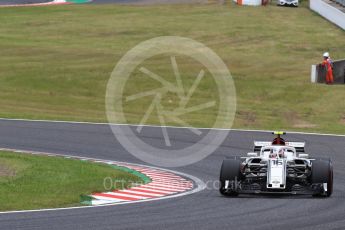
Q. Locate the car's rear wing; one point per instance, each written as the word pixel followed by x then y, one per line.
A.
pixel 299 146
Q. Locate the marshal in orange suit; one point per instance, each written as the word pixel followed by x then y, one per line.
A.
pixel 327 62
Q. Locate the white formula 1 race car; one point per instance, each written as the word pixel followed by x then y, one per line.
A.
pixel 277 167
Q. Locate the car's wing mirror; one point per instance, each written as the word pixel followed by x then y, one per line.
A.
pixel 252 154
pixel 303 155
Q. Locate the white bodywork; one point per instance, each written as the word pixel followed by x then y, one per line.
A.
pixel 277 157
pixel 276 174
pixel 287 2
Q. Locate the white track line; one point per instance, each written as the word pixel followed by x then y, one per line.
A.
pixel 167 126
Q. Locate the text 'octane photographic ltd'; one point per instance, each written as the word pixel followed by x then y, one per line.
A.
pixel 110 184
pixel 173 49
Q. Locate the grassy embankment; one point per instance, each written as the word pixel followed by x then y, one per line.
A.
pixel 55 62
pixel 35 182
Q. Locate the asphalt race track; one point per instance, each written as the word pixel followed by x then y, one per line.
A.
pixel 12 2
pixel 203 210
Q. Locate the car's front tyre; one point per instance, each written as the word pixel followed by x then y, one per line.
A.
pixel 322 172
pixel 230 174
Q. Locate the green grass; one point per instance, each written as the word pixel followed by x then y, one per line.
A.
pixel 55 62
pixel 35 182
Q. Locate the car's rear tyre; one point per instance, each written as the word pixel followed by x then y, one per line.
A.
pixel 322 172
pixel 230 171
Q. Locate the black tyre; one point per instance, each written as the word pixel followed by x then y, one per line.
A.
pixel 322 172
pixel 230 171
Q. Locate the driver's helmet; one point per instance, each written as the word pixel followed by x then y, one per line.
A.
pixel 273 154
pixel 281 153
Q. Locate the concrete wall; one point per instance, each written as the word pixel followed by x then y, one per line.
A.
pixel 329 12
pixel 318 74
